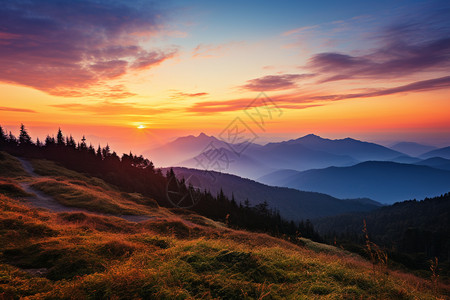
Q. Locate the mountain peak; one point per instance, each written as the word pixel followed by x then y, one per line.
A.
pixel 202 135
pixel 311 136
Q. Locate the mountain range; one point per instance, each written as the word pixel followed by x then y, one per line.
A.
pixel 386 182
pixel 411 148
pixel 342 168
pixel 308 152
pixel 291 203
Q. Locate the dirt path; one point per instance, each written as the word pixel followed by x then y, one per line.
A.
pixel 43 200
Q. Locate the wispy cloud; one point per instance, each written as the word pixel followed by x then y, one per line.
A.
pixel 212 50
pixel 302 101
pixel 67 47
pixel 415 44
pixel 179 95
pixel 15 109
pixel 393 60
pixel 275 82
pixel 299 30
pixel 110 108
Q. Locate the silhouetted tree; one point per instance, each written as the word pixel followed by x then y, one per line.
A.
pixel 60 138
pixel 24 137
pixel 3 136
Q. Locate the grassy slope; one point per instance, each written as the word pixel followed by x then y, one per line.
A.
pixel 73 189
pixel 77 255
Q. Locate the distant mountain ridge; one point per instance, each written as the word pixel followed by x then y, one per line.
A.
pixel 356 149
pixel 184 148
pixel 441 152
pixel 412 149
pixel 292 204
pixel 308 152
pixel 385 182
pixel 436 162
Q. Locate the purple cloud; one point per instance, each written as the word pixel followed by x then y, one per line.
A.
pixel 302 101
pixel 416 45
pixel 275 82
pixel 391 61
pixel 67 47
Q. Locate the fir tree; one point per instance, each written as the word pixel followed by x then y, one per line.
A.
pixel 24 137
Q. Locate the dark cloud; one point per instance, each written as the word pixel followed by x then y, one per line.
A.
pixel 419 86
pixel 393 60
pixel 275 82
pixel 65 47
pixel 299 101
pixel 417 44
pixel 14 109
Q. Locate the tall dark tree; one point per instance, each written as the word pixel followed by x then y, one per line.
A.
pixel 12 139
pixel 3 136
pixel 60 138
pixel 24 137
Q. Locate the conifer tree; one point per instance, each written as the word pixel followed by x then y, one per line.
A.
pixel 60 138
pixel 3 137
pixel 24 137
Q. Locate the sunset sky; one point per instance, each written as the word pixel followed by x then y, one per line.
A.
pixel 137 74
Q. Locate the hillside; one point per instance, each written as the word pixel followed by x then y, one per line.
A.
pixel 173 254
pixel 436 162
pixel 415 231
pixel 385 182
pixel 412 149
pixel 292 204
pixel 441 152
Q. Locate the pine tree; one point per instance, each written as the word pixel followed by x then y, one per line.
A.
pixel 49 141
pixel 99 152
pixel 60 138
pixel 83 145
pixel 24 137
pixel 11 138
pixel 3 137
pixel 106 151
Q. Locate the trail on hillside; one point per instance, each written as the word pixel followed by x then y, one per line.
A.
pixel 42 200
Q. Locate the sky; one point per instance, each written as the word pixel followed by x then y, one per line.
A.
pixel 136 74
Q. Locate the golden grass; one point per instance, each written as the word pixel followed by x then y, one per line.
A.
pixel 88 256
pixel 49 168
pixel 10 166
pixel 171 256
pixel 10 188
pixel 94 198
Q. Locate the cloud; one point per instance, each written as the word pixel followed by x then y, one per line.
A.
pixel 302 101
pixel 391 61
pixel 110 108
pixel 299 30
pixel 14 109
pixel 178 95
pixel 275 82
pixel 70 48
pixel 414 44
pixel 418 86
pixel 211 50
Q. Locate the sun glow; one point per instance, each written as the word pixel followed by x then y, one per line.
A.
pixel 141 126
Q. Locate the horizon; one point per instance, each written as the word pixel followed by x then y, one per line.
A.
pixel 118 146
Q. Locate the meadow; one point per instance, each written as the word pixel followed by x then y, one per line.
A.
pixel 174 254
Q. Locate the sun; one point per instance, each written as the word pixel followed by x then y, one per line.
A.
pixel 141 127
